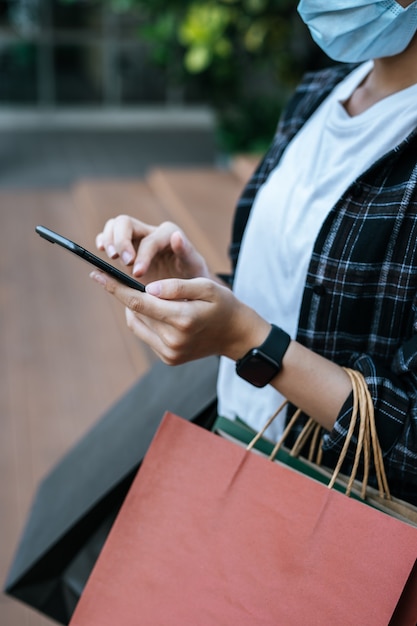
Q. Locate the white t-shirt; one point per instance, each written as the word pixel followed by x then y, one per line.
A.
pixel 324 158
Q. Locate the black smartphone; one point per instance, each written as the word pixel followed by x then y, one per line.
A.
pixel 123 278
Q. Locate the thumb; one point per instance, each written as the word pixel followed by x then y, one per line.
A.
pixel 178 289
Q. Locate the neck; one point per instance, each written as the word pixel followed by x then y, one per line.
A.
pixel 389 75
pixel 397 72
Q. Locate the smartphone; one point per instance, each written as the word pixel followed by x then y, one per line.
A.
pixel 123 278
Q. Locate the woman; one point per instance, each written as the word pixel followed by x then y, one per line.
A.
pixel 324 249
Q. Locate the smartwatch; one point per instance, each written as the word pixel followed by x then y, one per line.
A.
pixel 260 365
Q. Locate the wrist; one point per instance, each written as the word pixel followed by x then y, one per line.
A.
pixel 247 329
pixel 261 364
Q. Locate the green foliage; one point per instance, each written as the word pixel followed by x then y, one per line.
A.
pixel 248 127
pixel 246 56
pixel 204 35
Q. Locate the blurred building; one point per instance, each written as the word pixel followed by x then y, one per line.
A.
pixel 61 53
pixel 77 80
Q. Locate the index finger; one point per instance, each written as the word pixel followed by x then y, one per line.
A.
pixel 121 235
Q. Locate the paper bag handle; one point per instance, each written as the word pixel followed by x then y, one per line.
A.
pixel 368 444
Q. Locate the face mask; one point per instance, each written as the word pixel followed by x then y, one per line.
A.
pixel 359 30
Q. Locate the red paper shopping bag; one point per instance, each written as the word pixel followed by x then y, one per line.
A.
pixel 213 535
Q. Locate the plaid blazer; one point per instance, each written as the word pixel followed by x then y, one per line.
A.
pixel 359 307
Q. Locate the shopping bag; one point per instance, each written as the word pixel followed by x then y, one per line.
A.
pixel 240 433
pixel 77 502
pixel 212 534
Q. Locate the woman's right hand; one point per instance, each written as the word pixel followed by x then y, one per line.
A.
pixel 155 252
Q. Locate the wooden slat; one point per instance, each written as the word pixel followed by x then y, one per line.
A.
pixel 66 352
pixel 202 201
pixel 100 200
pixel 64 360
pixel 244 165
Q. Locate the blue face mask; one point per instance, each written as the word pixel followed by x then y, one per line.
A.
pixel 359 30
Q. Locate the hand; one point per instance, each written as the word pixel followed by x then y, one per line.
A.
pixel 183 320
pixel 154 251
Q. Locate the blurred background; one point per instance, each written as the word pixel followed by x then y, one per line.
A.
pixel 238 59
pixel 157 108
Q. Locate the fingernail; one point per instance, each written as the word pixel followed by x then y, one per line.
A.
pixel 154 289
pixel 111 251
pixel 99 278
pixel 127 257
pixel 137 269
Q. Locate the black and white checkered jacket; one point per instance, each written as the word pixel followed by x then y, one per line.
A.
pixel 360 300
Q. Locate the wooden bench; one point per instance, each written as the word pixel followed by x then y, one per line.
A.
pixel 67 354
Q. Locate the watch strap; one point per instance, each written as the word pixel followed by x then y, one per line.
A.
pixel 276 344
pixel 260 365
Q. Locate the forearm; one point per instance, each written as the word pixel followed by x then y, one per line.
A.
pixel 316 385
pixel 313 384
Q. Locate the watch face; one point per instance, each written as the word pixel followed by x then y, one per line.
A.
pixel 257 368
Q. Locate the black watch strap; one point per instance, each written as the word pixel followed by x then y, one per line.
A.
pixel 260 365
pixel 276 344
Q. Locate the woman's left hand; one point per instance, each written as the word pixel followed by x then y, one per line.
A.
pixel 187 319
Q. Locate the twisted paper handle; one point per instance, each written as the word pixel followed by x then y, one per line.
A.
pixel 367 444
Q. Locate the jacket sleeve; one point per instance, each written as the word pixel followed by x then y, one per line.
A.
pixel 394 394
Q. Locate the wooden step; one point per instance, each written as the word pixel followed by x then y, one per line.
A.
pixel 67 354
pixel 64 359
pixel 202 202
pixel 243 166
pixel 100 200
